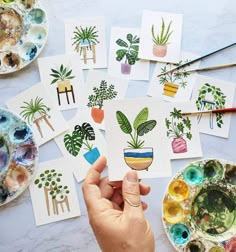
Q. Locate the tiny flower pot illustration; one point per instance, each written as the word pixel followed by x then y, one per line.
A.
pixel 170 89
pixel 92 155
pixel 138 159
pixel 179 145
pixel 63 86
pixel 159 50
pixel 84 42
pixel 97 115
pixel 125 68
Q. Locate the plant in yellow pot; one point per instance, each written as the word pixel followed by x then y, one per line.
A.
pixel 62 77
pixel 173 80
pixel 161 40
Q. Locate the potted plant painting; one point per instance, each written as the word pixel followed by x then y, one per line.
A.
pixel 36 111
pixel 161 40
pixel 50 181
pixel 129 52
pixel 173 80
pixel 85 39
pixel 82 136
pixel 178 127
pixel 137 156
pixel 62 77
pixel 101 93
pixel 211 97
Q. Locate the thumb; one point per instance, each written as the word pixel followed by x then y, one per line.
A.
pixel 131 194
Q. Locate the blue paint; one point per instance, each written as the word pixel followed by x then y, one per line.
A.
pixel 32 52
pixel 193 175
pixel 179 233
pixel 36 16
pixel 4 121
pixel 139 155
pixel 92 155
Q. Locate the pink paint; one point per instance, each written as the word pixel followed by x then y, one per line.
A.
pixel 125 68
pixel 179 145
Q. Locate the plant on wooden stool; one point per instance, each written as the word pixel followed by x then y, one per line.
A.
pixel 129 51
pixel 161 40
pixel 101 93
pixel 177 128
pixel 173 80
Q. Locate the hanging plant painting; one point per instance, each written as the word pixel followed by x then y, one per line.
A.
pixel 62 77
pixel 54 190
pixel 178 127
pixel 211 97
pixel 174 80
pixel 161 40
pixel 137 156
pixel 82 136
pixel 101 93
pixel 35 111
pixel 85 39
pixel 129 52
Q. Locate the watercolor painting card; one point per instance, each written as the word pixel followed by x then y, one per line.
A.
pixel 53 192
pixel 209 94
pixel 63 78
pixel 161 35
pixel 176 86
pixel 135 137
pixel 101 87
pixel 35 106
pixel 123 56
pixel 181 131
pixel 86 38
pixel 83 142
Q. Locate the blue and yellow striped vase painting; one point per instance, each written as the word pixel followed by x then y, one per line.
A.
pixel 138 159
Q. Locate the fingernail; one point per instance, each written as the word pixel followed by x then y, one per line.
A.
pixel 132 176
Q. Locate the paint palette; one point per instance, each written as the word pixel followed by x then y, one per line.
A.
pixel 23 33
pixel 199 207
pixel 18 156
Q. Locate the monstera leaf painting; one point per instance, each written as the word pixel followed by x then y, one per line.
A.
pixel 73 143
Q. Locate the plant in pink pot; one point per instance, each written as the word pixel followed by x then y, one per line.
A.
pixel 178 128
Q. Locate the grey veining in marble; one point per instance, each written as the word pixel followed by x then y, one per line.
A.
pixel 207 26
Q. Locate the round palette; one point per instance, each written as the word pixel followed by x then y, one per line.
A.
pixel 199 207
pixel 23 33
pixel 18 156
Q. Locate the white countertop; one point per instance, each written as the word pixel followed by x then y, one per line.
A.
pixel 207 26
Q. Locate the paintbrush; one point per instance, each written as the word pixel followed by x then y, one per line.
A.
pixel 222 110
pixel 195 60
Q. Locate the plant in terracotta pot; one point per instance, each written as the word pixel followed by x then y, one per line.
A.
pixel 129 52
pixel 161 40
pixel 173 80
pixel 82 135
pixel 137 156
pixel 36 111
pixel 101 93
pixel 178 127
pixel 62 77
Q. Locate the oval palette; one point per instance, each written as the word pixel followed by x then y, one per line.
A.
pixel 199 207
pixel 18 156
pixel 23 33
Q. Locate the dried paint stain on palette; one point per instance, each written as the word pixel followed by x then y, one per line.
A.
pixel 18 156
pixel 199 207
pixel 23 33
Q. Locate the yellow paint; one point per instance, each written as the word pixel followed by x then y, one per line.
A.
pixel 178 190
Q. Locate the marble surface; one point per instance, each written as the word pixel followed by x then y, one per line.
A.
pixel 207 26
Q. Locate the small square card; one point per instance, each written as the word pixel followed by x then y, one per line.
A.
pixel 101 87
pixel 37 108
pixel 86 37
pixel 63 78
pixel 136 138
pixel 181 131
pixel 209 94
pixel 82 142
pixel 53 192
pixel 177 85
pixel 123 56
pixel 161 35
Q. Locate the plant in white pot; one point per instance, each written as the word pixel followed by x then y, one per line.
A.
pixel 129 52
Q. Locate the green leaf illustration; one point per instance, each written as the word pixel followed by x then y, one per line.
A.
pixel 121 43
pixel 73 143
pixel 141 117
pixel 145 127
pixel 123 122
pixel 86 131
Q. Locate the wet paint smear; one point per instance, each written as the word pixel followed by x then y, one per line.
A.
pixel 193 175
pixel 179 233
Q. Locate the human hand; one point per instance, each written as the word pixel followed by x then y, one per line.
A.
pixel 116 212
